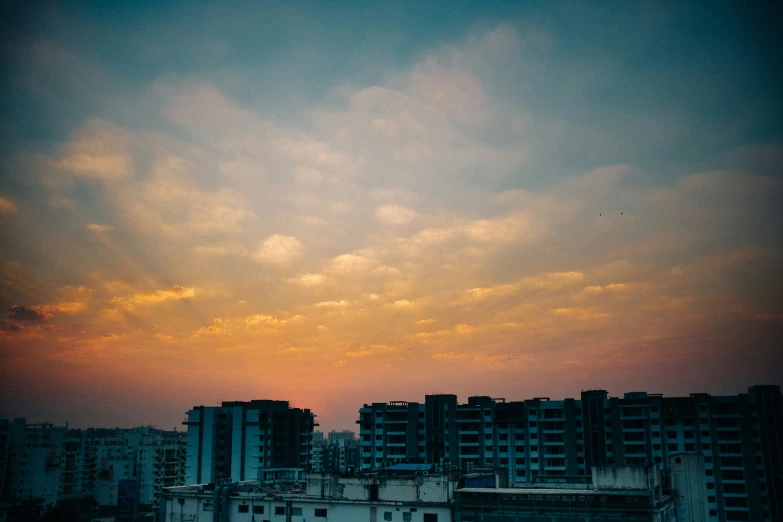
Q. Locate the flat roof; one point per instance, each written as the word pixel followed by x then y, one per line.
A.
pixel 554 491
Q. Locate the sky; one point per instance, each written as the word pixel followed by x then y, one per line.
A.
pixel 351 202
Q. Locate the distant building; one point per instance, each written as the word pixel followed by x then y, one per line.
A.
pixel 346 435
pixel 236 440
pixel 46 464
pixel 336 456
pixel 739 438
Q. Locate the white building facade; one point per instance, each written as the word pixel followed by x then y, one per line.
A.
pixel 422 498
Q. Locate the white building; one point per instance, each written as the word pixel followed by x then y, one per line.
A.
pixel 370 497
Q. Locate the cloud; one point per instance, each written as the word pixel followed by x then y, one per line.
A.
pixel 99 229
pixel 394 214
pixel 99 152
pixel 372 349
pixel 308 280
pixel 62 202
pixel 33 313
pixel 170 202
pixel 332 304
pixel 175 293
pixel 352 264
pixel 7 206
pixel 595 289
pixel 212 329
pixel 581 314
pixel 44 312
pixel 449 355
pixel 219 250
pixel 280 250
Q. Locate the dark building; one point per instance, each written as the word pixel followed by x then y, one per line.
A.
pixel 237 439
pixel 738 436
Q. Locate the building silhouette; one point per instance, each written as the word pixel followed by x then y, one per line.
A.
pixel 236 440
pixel 738 437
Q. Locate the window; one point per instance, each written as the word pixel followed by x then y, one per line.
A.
pixel 430 517
pixel 258 510
pixel 406 517
pixel 387 515
pixel 207 506
pixel 243 509
pixel 296 512
pixel 279 510
pixel 320 512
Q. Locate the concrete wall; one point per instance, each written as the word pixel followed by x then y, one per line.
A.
pixel 625 477
pixel 688 481
pixel 424 488
pixel 191 466
pixel 192 510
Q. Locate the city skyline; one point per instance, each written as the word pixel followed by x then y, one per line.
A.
pixel 381 202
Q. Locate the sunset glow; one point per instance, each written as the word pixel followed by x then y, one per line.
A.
pixel 372 204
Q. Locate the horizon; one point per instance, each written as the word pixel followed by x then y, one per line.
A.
pixel 338 428
pixel 367 202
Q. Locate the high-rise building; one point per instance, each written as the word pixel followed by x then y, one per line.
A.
pixel 237 439
pixel 739 438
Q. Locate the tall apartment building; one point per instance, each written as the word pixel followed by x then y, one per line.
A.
pixel 739 438
pixel 46 463
pixel 237 439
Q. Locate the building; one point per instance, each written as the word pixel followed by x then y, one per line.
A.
pixel 336 456
pixel 46 464
pixel 34 462
pixel 232 442
pixel 628 493
pixel 346 435
pixel 739 438
pixel 406 497
pixel 340 452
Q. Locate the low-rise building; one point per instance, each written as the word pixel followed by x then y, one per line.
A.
pixel 398 497
pixel 628 493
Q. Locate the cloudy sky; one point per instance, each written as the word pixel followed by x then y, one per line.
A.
pixel 374 201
